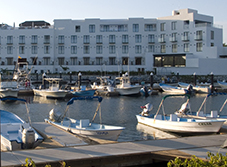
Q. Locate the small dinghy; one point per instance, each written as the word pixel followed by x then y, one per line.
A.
pixel 84 127
pixel 16 133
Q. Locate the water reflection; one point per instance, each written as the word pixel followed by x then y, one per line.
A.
pixel 148 133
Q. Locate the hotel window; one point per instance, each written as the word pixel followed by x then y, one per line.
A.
pixel 61 39
pixel 46 39
pixel 86 49
pixel 112 60
pixel 170 61
pixel 186 47
pixel 150 27
pixel 73 60
pixel 9 60
pixel 73 39
pixel 61 49
pixel 186 24
pixel 174 48
pixel 138 61
pixel 46 61
pixel 77 28
pixel 9 50
pixel 34 49
pixel 135 27
pixel 91 28
pixel 86 60
pixel 174 25
pixel 112 49
pixel 138 49
pixel 9 39
pixel 61 61
pixel 212 35
pixel 98 60
pixel 173 37
pixel 124 38
pixel 86 39
pixel 124 49
pixel 199 35
pixel 138 38
pixel 125 60
pixel 199 47
pixel 185 36
pixel 98 49
pixel 162 26
pixel 73 49
pixel 151 48
pixel 112 39
pixel 21 49
pixel 162 38
pixel 99 39
pixel 21 39
pixel 34 39
pixel 163 49
pixel 151 38
pixel 46 49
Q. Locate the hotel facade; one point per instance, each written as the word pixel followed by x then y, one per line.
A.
pixel 185 42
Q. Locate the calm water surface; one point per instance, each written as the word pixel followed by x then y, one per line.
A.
pixel 119 111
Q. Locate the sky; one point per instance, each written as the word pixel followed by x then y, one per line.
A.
pixel 18 11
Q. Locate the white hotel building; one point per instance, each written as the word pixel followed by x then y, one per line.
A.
pixel 185 42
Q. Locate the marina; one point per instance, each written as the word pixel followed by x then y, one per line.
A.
pixel 118 111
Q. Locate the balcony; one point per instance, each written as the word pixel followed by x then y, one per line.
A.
pixel 198 37
pixel 161 40
pixel 185 38
pixel 172 39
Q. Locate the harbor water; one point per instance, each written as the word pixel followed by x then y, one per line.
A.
pixel 120 111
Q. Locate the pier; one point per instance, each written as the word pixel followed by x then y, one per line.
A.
pixel 60 146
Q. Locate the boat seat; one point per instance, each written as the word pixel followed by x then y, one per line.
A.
pixel 214 114
pixel 4 129
pixel 84 123
pixel 191 120
pixel 159 117
pixel 66 123
pixel 173 117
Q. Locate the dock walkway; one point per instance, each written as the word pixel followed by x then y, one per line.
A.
pixel 115 154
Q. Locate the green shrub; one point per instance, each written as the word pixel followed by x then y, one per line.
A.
pixel 217 160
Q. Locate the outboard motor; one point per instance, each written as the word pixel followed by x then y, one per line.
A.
pixel 190 88
pixel 28 138
pixel 185 107
pixel 145 91
pixel 148 107
pixel 55 115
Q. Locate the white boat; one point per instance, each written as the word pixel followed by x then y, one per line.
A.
pixel 16 133
pixel 125 87
pixel 222 84
pixel 22 75
pixel 8 88
pixel 84 127
pixel 173 89
pixel 53 91
pixel 215 114
pixel 198 89
pixel 173 123
pixel 106 84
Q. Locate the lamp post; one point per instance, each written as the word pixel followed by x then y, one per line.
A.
pixel 70 76
pixel 212 82
pixel 151 79
pixel 79 80
pixel 194 81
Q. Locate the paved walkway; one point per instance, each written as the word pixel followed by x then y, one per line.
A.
pixel 198 145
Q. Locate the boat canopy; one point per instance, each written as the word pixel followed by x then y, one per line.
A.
pixel 84 98
pixel 13 99
pixel 187 95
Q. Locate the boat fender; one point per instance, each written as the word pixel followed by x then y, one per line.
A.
pixel 28 138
